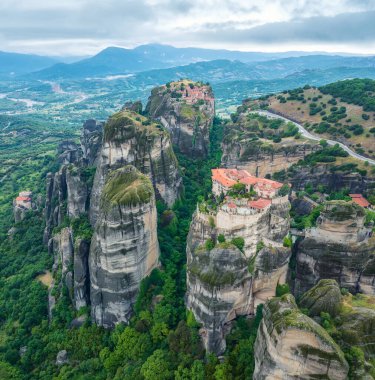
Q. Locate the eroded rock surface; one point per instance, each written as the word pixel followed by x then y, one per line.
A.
pixel 130 138
pixel 341 247
pixel 187 110
pixel 219 290
pixel 124 248
pixel 290 345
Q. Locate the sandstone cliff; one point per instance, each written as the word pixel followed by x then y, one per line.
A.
pixel 290 345
pixel 130 138
pixel 68 190
pixel 70 266
pixel 262 146
pixel 341 247
pixel 124 248
pixel 222 281
pixel 187 110
pixel 219 290
pixel 352 321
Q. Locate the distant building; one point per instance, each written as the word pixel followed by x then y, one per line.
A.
pixel 22 204
pixel 360 200
pixel 224 179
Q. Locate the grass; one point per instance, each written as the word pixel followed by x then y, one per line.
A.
pixel 359 300
pixel 127 186
pixel 45 278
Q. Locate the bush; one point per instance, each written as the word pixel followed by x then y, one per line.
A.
pixel 287 241
pixel 209 244
pixel 239 242
pixel 282 289
pixel 221 238
pixel 284 190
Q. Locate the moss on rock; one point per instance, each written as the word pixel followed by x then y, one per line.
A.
pixel 325 296
pixel 127 186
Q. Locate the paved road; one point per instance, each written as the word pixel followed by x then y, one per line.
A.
pixel 310 136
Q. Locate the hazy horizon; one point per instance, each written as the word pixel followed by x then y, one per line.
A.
pixel 84 27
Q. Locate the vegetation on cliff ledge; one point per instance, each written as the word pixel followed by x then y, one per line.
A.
pixel 127 187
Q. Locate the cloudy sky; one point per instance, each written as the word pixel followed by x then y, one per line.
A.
pixel 83 27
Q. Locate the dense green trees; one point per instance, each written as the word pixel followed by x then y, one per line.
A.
pixel 355 91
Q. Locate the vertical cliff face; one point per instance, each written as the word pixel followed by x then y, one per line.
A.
pixel 219 290
pixel 91 141
pixel 269 268
pixel 222 281
pixel 341 247
pixel 130 138
pixel 68 190
pixel 290 345
pixel 187 110
pixel 124 248
pixel 67 198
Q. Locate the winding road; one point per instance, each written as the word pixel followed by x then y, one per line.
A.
pixel 310 136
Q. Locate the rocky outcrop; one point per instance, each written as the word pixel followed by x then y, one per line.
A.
pixel 321 175
pixel 124 248
pixel 261 159
pixel 325 296
pixel 68 190
pixel 71 266
pixel 219 290
pixel 130 138
pixel 91 141
pixel 222 281
pixel 187 110
pixel 341 247
pixel 290 345
pixel 62 248
pixel 269 268
pixel 81 275
pixel 353 318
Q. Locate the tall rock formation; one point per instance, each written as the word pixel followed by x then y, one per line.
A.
pixel 124 248
pixel 130 138
pixel 187 110
pixel 340 247
pixel 67 200
pixel 68 190
pixel 290 345
pixel 219 290
pixel 91 141
pixel 224 281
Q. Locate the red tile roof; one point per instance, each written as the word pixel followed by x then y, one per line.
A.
pixel 23 199
pixel 360 200
pixel 229 177
pixel 232 205
pixel 260 203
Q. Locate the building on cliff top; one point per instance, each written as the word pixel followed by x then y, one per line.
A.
pixel 192 95
pixel 224 179
pixel 24 200
pixel 360 200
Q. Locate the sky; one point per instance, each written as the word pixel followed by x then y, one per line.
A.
pixel 84 27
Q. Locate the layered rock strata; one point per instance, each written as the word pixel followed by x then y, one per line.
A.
pixel 222 281
pixel 341 247
pixel 71 266
pixel 187 110
pixel 130 138
pixel 124 248
pixel 219 290
pixel 290 345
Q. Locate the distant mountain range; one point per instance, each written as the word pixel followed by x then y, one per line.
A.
pixel 168 61
pixel 12 64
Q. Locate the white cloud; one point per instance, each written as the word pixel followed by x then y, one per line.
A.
pixel 85 26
